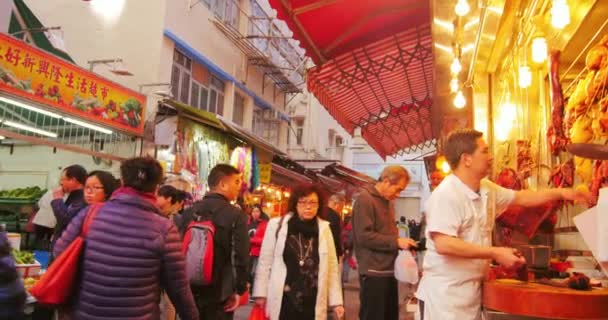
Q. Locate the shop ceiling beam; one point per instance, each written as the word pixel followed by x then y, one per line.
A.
pixel 313 6
pixel 482 22
pixel 379 12
pixel 307 38
pixel 505 30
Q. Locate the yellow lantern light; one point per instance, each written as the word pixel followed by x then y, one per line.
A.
pixel 525 77
pixel 539 49
pixel 460 101
pixel 462 8
pixel 560 14
pixel 456 67
pixel 454 85
pixel 286 194
pixel 442 164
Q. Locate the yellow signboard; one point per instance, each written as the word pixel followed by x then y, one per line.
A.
pixel 33 74
pixel 265 172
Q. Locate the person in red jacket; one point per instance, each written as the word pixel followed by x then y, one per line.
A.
pixel 257 228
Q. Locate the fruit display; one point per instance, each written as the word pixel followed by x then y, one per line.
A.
pixel 29 282
pixel 23 257
pixel 31 193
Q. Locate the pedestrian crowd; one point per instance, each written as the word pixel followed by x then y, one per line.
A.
pixel 150 252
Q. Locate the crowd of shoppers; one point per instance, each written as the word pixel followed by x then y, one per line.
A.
pixel 135 253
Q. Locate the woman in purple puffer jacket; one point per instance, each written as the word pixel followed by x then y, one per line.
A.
pixel 132 252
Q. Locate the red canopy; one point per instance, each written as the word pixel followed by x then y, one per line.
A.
pixel 374 66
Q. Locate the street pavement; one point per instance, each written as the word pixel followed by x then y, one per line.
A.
pixel 351 299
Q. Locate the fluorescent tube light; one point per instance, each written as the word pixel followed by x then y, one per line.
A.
pixel 28 128
pixel 28 107
pixel 88 125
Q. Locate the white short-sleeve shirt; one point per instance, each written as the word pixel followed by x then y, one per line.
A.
pixel 451 286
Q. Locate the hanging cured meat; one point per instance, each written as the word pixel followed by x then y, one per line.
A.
pixel 525 220
pixel 557 138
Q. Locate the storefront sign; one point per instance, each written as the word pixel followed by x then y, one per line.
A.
pixel 28 72
pixel 265 172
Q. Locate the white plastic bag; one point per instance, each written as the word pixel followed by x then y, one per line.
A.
pixel 406 268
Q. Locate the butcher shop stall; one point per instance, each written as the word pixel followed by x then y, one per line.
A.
pixel 533 76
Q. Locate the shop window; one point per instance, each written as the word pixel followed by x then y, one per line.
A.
pixel 258 122
pixel 187 90
pixel 238 112
pixel 204 98
pixel 175 76
pixel 299 131
pixel 339 141
pixel 225 10
pixel 181 75
pixel 212 100
pixel 266 125
pixel 331 135
pixel 220 104
pixel 194 95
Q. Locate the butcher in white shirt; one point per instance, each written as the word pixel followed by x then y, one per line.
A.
pixel 460 218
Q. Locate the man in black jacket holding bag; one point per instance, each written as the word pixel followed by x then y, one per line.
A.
pixel 220 299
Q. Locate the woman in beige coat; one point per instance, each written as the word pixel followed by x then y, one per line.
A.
pixel 297 276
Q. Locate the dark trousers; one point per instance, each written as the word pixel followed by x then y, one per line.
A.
pixel 210 308
pixel 421 306
pixel 379 297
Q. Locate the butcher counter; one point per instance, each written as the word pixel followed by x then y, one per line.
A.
pixel 512 299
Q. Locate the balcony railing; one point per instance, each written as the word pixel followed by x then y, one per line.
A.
pixel 264 40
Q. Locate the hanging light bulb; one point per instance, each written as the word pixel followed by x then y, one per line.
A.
pixel 539 49
pixel 454 85
pixel 560 14
pixel 459 100
pixel 445 167
pixel 456 67
pixel 442 164
pixel 462 8
pixel 525 77
pixel 509 112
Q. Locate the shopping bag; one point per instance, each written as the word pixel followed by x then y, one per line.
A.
pixel 406 268
pixel 257 313
pixel 58 282
pixel 244 299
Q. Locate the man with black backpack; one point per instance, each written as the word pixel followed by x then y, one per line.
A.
pixel 217 296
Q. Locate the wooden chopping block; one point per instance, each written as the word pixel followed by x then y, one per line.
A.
pixel 538 300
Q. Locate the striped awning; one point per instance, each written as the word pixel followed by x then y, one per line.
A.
pixel 374 66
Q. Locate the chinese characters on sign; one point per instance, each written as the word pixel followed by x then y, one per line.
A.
pixel 33 74
pixel 265 172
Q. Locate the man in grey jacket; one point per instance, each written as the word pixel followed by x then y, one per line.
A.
pixel 377 243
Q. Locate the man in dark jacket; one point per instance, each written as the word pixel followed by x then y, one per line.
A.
pixel 334 211
pixel 219 300
pixel 377 243
pixel 72 183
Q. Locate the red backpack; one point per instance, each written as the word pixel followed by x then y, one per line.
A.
pixel 198 251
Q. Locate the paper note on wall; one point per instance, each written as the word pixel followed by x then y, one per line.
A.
pixel 265 173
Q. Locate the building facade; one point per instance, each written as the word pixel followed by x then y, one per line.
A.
pixel 228 57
